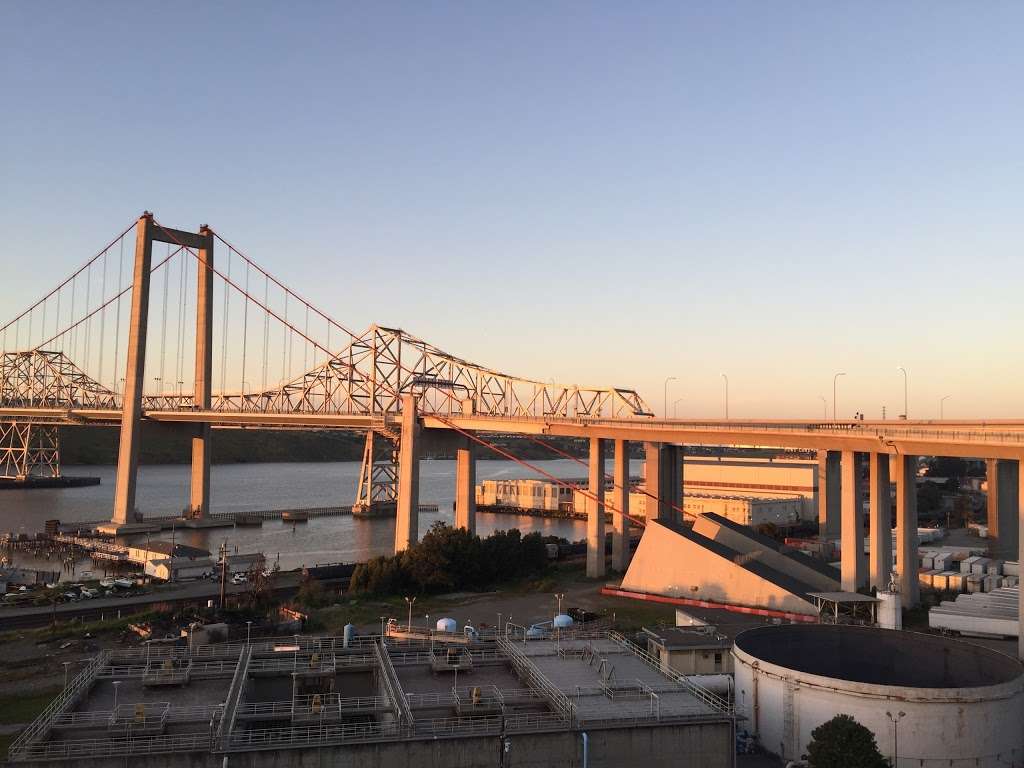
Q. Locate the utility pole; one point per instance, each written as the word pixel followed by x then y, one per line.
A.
pixel 223 571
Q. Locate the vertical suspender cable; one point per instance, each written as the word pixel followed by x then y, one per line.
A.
pixel 224 329
pixel 266 329
pixel 103 322
pixel 245 325
pixel 88 323
pixel 163 325
pixel 117 326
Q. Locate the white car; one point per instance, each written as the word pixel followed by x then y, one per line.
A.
pixel 238 578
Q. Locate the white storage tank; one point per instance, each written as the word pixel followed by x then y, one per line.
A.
pixel 563 621
pixel 963 702
pixel 447 625
pixel 890 610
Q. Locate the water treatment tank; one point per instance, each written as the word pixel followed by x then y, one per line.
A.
pixel 447 625
pixel 347 634
pixel 961 704
pixel 890 610
pixel 563 621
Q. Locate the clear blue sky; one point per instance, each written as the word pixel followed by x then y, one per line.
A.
pixel 596 192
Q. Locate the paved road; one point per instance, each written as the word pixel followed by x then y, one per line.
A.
pixel 185 592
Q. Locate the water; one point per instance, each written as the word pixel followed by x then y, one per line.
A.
pixel 163 490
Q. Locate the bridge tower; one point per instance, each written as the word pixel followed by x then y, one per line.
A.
pixel 377 492
pixel 147 232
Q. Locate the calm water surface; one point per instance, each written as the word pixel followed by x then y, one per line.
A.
pixel 163 490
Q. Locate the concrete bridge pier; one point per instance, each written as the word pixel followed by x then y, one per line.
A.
pixel 408 512
pixel 595 511
pixel 1020 549
pixel 134 382
pixel 620 502
pixel 904 475
pixel 853 562
pixel 880 555
pixel 465 485
pixel 828 494
pixel 199 505
pixel 1003 476
pixel 663 473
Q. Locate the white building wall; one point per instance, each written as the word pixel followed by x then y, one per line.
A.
pixel 762 478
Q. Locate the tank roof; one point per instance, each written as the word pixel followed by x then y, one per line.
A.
pixel 879 656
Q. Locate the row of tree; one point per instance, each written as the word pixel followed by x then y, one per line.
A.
pixel 449 558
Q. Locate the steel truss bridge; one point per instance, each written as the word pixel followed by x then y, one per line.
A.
pixel 127 326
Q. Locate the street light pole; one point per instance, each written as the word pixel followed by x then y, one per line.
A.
pixel 942 404
pixel 835 407
pixel 675 407
pixel 726 396
pixel 895 718
pixel 664 401
pixel 410 602
pixel 906 415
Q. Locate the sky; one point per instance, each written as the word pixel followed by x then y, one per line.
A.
pixel 599 193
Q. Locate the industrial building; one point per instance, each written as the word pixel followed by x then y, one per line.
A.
pixel 930 701
pixel 579 699
pixel 784 477
pixel 691 650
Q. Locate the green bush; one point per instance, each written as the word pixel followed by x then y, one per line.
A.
pixel 449 558
pixel 842 742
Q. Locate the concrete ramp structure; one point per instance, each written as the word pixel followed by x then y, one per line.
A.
pixel 719 562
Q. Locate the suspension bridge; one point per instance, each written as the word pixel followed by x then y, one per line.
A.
pixel 179 327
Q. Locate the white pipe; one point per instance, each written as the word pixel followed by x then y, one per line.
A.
pixel 586 748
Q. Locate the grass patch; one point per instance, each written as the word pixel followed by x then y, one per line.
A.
pixel 73 629
pixel 24 708
pixel 633 615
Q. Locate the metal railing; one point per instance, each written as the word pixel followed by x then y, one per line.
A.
pixel 65 700
pixel 699 692
pixel 227 721
pixel 125 745
pixel 392 684
pixel 534 677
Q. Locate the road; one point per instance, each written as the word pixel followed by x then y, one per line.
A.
pixel 108 607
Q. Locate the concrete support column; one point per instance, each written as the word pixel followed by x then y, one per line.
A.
pixel 465 485
pixel 134 377
pixel 852 535
pixel 828 494
pixel 595 511
pixel 881 520
pixel 407 517
pixel 620 502
pixel 1003 477
pixel 905 478
pixel 672 492
pixel 652 480
pixel 200 495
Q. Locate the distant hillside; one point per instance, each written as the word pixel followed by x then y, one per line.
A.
pixel 170 444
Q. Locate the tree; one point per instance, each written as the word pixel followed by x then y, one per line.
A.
pixel 842 742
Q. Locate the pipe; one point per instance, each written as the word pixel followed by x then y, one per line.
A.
pixel 586 748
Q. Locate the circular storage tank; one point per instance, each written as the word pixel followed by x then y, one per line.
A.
pixel 447 625
pixel 563 621
pixel 963 702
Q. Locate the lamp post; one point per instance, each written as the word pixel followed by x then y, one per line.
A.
pixel 665 395
pixel 559 596
pixel 675 407
pixel 410 601
pixel 117 684
pixel 895 718
pixel 67 664
pixel 248 632
pixel 906 414
pixel 942 404
pixel 824 406
pixel 382 618
pixel 726 396
pixel 835 407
